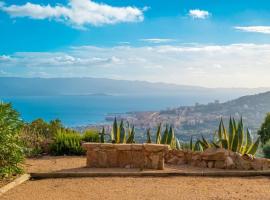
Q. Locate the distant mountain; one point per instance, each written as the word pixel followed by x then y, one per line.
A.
pixel 202 119
pixel 11 86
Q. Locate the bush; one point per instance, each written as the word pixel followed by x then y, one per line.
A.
pixel 38 135
pixel 67 142
pixel 91 135
pixel 264 131
pixel 11 149
pixel 266 150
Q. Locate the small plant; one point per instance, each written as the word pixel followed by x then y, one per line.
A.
pixel 67 142
pixel 90 135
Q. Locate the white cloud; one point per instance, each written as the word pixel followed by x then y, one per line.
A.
pixel 77 13
pixel 254 29
pixel 234 65
pixel 157 40
pixel 198 14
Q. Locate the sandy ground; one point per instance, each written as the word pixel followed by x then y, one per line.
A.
pixel 142 188
pixel 197 188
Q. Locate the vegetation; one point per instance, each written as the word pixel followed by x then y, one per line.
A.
pixel 18 139
pixel 11 149
pixel 90 135
pixel 67 142
pixel 37 135
pixel 264 131
pixel 118 133
pixel 235 139
pixel 266 150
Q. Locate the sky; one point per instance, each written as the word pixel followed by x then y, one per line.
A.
pixel 211 43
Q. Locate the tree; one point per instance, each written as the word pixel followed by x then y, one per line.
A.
pixel 264 131
pixel 11 149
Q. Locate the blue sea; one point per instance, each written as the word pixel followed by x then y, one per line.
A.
pixel 85 110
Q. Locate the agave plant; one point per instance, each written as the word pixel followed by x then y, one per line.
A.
pixel 118 134
pixel 236 139
pixel 168 137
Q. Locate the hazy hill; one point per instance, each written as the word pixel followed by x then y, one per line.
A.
pixel 204 118
pixel 11 86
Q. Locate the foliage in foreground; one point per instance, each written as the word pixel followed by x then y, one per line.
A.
pixel 11 149
pixel 264 131
pixel 234 139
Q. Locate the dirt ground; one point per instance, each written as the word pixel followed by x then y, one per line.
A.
pixel 197 188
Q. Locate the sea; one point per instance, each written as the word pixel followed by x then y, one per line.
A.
pixel 85 110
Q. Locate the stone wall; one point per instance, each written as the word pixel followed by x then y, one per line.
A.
pixel 217 158
pixel 105 155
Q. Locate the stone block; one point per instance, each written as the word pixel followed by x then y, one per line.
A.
pixel 123 147
pixel 155 147
pixel 137 147
pixel 220 164
pixel 124 158
pixel 210 164
pixel 215 154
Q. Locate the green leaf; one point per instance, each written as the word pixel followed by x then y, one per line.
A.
pixel 158 134
pixel 165 136
pixel 253 149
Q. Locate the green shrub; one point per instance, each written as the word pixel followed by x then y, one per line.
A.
pixel 266 150
pixel 37 136
pixel 11 149
pixel 90 135
pixel 264 131
pixel 67 142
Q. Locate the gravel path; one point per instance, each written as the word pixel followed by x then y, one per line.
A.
pixel 197 188
pixel 143 188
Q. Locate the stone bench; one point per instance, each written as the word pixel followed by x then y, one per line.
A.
pixel 107 155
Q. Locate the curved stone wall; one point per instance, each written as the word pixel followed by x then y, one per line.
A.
pixel 217 158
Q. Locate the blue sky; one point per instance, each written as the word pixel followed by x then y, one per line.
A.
pixel 211 42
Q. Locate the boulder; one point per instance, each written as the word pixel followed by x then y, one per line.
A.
pixel 215 154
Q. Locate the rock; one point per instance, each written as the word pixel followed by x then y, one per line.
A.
pixel 155 147
pixel 137 147
pixel 124 158
pixel 210 164
pixel 203 164
pixel 123 147
pixel 90 146
pixel 215 154
pixel 112 158
pixel 173 160
pixel 229 163
pixel 106 146
pixel 102 159
pixel 220 164
pixel 137 159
